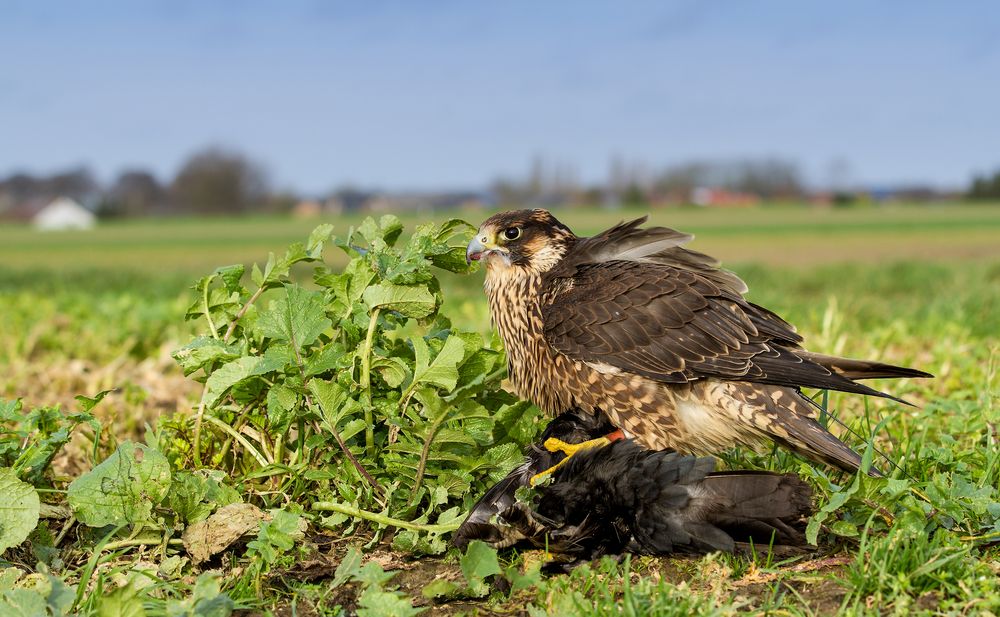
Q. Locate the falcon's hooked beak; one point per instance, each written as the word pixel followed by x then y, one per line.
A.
pixel 482 246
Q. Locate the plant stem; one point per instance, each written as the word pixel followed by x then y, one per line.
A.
pixel 240 420
pixel 424 453
pixel 240 438
pixel 381 519
pixel 243 311
pixel 350 455
pixel 208 310
pixel 112 546
pixel 366 383
pixel 197 432
pixel 279 448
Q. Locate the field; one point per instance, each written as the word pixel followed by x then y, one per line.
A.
pixel 86 312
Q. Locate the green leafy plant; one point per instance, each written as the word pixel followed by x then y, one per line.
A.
pixel 122 490
pixel 353 393
pixel 29 440
pixel 377 597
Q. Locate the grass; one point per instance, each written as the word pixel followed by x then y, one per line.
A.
pixel 85 312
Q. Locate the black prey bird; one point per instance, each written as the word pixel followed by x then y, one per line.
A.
pixel 621 497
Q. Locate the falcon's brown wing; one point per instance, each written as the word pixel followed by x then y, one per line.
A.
pixel 674 325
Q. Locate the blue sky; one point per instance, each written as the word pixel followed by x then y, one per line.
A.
pixel 450 94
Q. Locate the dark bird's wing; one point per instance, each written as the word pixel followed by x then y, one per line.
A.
pixel 672 503
pixel 670 315
pixel 621 497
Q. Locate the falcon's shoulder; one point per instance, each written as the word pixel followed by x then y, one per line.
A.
pixel 636 300
pixel 657 320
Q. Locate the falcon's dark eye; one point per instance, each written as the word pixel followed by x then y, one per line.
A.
pixel 512 233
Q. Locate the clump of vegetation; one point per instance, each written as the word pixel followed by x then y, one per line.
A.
pixel 356 398
pixel 347 402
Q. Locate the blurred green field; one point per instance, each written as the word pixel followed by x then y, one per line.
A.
pixel 94 303
pixel 807 236
pixel 85 311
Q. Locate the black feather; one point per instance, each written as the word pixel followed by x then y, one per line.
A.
pixel 623 498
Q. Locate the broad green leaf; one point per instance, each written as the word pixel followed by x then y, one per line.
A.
pixel 451 516
pixel 373 575
pixel 454 227
pixel 11 410
pixel 23 603
pixel 298 317
pixel 332 399
pixel 387 229
pixel 479 562
pixel 318 237
pixel 18 509
pixel 837 500
pixel 231 277
pixel 8 577
pixel 475 370
pixel 276 536
pixel 440 588
pixel 348 568
pixel 502 459
pixel 377 603
pixel 280 402
pixel 330 357
pixel 38 594
pixel 408 300
pixel 123 602
pixel 443 370
pixel 87 403
pixel 393 370
pixel 257 276
pixel 195 495
pixel 206 600
pixel 844 529
pixel 123 489
pixel 204 350
pixel 453 260
pixel 232 373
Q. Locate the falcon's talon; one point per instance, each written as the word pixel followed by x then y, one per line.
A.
pixel 569 449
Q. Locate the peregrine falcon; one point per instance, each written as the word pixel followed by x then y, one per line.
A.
pixel 631 325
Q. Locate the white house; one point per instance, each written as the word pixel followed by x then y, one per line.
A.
pixel 64 213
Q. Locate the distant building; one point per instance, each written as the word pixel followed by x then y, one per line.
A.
pixel 63 213
pixel 705 196
pixel 307 209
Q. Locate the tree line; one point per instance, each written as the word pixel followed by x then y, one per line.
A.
pixel 218 181
pixel 211 181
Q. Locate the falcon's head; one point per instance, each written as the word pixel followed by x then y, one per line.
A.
pixel 526 239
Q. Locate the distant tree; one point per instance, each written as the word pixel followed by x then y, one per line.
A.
pixel 679 181
pixel 985 187
pixel 216 181
pixel 78 184
pixel 771 179
pixel 134 193
pixel 593 196
pixel 634 196
pixel 351 198
pixel 508 191
pixel 767 178
pixel 20 186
